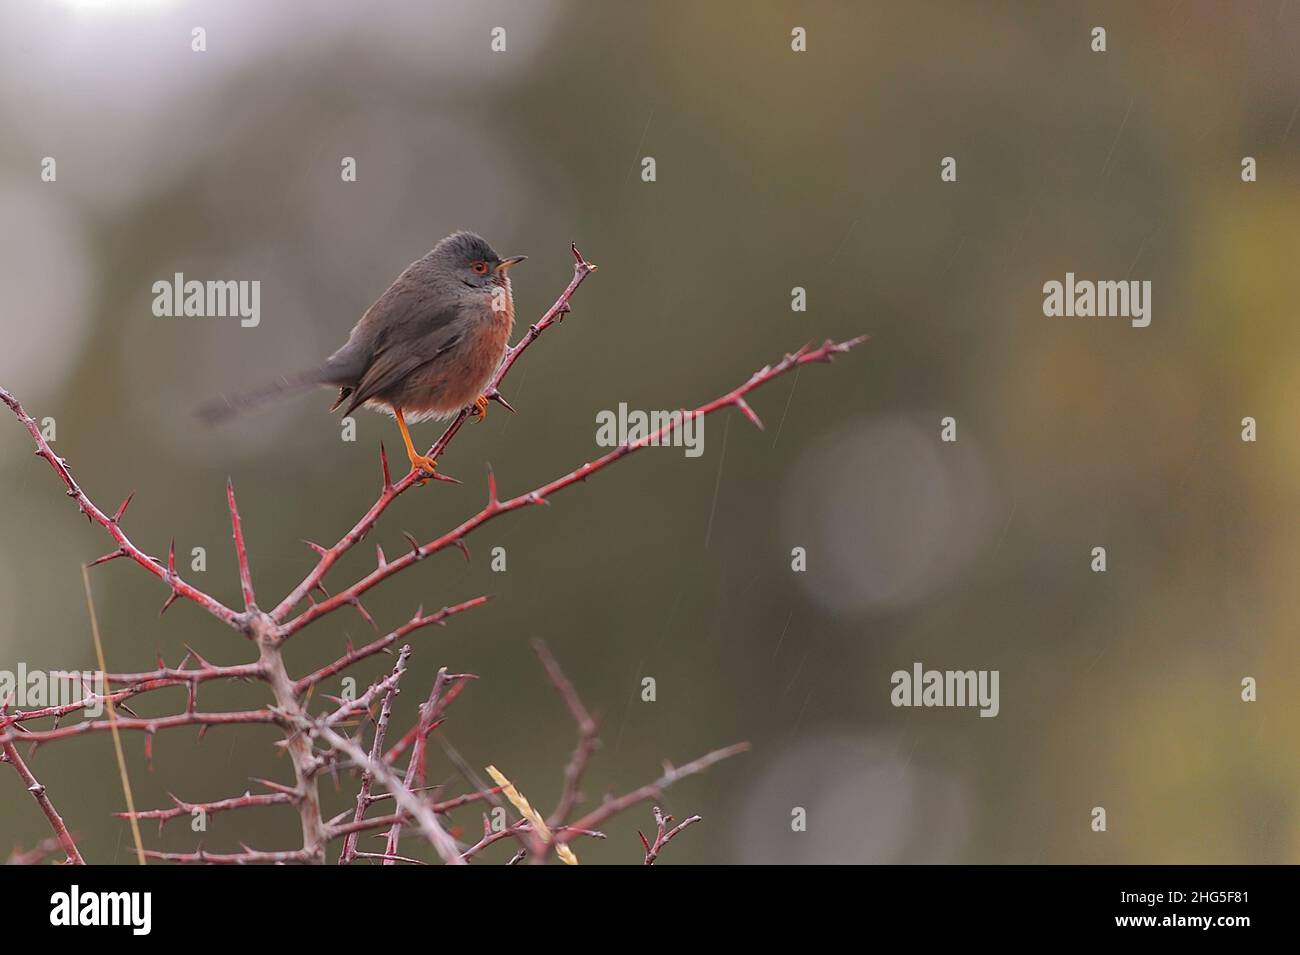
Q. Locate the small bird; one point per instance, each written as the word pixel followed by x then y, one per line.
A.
pixel 426 349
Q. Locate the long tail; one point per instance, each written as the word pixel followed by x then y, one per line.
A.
pixel 224 408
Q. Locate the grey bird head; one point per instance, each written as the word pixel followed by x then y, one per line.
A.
pixel 467 258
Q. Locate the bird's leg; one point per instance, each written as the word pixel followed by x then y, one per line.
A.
pixel 480 407
pixel 419 462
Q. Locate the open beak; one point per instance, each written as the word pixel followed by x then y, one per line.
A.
pixel 506 263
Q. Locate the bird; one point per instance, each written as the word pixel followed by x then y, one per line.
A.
pixel 425 350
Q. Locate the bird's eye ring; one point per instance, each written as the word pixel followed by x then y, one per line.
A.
pixel 479 267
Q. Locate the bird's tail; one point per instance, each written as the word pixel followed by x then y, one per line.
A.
pixel 224 408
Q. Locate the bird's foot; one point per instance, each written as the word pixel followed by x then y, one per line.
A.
pixel 480 408
pixel 423 464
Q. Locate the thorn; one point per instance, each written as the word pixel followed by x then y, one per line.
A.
pixel 191 652
pixel 111 555
pixel 644 841
pixel 171 560
pixel 500 399
pixel 117 515
pixel 274 786
pixel 379 554
pixel 464 548
pixel 749 412
pixel 362 610
pixel 316 547
pixel 492 487
pixel 419 612
pixel 446 478
pixel 415 544
pixel 168 602
pixel 589 266
pixel 383 464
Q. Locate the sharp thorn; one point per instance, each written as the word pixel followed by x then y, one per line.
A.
pixel 117 515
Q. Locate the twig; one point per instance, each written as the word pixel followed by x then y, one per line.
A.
pixel 428 713
pixel 183 808
pixel 408 801
pixel 655 789
pixel 113 525
pixel 38 793
pixel 587 738
pixel 541 494
pixel 664 835
pixel 376 751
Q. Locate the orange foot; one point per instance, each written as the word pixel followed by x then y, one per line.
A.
pixel 424 464
pixel 480 407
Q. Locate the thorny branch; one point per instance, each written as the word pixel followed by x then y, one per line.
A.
pixel 317 744
pixel 38 793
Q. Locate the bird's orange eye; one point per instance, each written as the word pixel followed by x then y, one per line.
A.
pixel 479 267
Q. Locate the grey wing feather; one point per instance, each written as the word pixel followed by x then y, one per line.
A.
pixel 381 348
pixel 392 364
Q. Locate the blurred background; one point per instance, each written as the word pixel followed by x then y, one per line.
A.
pixel 775 169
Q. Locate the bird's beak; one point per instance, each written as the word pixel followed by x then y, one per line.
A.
pixel 506 263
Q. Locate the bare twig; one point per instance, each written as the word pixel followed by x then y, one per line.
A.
pixel 655 789
pixel 428 714
pixel 443 843
pixel 664 835
pixel 43 800
pixel 495 507
pixel 166 573
pixel 587 738
pixel 376 751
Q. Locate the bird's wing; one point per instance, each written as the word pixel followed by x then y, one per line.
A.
pixel 395 360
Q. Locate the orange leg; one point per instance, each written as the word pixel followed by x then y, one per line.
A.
pixel 419 462
pixel 480 408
